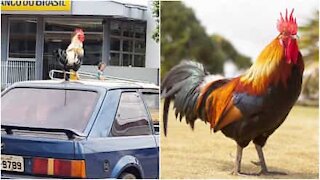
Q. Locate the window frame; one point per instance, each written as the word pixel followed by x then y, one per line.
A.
pixel 152 132
pixel 150 91
pixel 8 41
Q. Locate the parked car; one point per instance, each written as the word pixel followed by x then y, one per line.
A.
pixel 79 129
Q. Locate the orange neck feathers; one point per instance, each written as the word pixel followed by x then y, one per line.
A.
pixel 270 68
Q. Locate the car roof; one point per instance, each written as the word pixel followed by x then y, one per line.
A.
pixel 108 84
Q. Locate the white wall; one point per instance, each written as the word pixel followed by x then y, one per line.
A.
pixel 152 48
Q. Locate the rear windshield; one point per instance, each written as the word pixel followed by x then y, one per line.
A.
pixel 48 108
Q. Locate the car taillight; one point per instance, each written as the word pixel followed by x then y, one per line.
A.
pixel 59 167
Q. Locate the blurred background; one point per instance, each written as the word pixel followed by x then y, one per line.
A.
pixel 227 36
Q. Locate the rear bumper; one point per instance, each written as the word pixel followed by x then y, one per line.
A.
pixel 5 175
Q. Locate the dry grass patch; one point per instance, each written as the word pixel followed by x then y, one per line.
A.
pixel 292 149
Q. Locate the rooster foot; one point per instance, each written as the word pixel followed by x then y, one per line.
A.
pixel 271 173
pixel 242 174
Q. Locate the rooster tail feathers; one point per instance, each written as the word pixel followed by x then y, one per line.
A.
pixel 165 114
pixel 61 57
pixel 182 85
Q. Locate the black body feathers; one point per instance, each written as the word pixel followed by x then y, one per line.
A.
pixel 61 58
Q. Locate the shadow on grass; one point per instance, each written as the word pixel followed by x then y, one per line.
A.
pixel 227 166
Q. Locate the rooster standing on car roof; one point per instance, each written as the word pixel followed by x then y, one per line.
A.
pixel 71 58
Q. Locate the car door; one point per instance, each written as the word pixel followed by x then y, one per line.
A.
pixel 132 122
pixel 129 143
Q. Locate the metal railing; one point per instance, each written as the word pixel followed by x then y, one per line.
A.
pixel 16 70
pixel 87 75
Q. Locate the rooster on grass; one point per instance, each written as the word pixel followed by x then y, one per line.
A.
pixel 71 59
pixel 246 108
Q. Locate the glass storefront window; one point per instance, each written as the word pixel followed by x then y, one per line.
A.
pixel 127 43
pixel 127 30
pixel 140 46
pixel 114 44
pixel 127 60
pixel 114 59
pixel 22 38
pixel 70 24
pixel 139 61
pixel 140 31
pixel 115 28
pixel 93 49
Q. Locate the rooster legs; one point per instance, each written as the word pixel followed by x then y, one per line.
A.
pixel 237 163
pixel 261 159
pixel 262 163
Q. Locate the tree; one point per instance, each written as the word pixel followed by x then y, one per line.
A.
pixel 183 37
pixel 309 45
pixel 309 41
pixel 156 15
pixel 231 53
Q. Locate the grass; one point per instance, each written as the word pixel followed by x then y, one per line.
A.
pixel 292 149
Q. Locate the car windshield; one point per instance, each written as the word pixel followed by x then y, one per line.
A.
pixel 48 108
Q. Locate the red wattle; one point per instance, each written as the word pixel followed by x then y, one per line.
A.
pixel 292 52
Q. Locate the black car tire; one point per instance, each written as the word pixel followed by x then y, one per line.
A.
pixel 126 175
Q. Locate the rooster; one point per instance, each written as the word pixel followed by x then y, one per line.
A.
pixel 246 108
pixel 71 59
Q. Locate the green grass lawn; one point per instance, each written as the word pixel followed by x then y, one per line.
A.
pixel 292 149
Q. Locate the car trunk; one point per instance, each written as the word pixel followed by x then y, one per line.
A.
pixel 37 153
pixel 40 127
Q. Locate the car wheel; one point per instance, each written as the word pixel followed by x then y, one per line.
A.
pixel 127 176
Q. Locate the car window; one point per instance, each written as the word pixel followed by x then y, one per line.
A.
pixel 131 118
pixel 152 102
pixel 48 108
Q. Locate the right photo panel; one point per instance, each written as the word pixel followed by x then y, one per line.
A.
pixel 239 89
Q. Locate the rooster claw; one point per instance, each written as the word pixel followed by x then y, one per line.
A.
pixel 270 173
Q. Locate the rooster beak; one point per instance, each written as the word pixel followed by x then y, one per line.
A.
pixel 281 42
pixel 295 36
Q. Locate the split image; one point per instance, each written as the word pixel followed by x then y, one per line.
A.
pixel 160 89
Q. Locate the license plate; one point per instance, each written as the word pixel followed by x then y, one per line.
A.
pixel 12 163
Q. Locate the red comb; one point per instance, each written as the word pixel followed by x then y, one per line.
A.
pixel 78 30
pixel 288 25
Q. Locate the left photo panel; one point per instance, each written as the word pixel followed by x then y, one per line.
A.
pixel 80 89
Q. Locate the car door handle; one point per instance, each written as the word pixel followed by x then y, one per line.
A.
pixel 106 166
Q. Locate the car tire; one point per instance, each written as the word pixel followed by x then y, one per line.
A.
pixel 126 175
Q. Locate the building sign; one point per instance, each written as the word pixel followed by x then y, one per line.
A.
pixel 35 5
